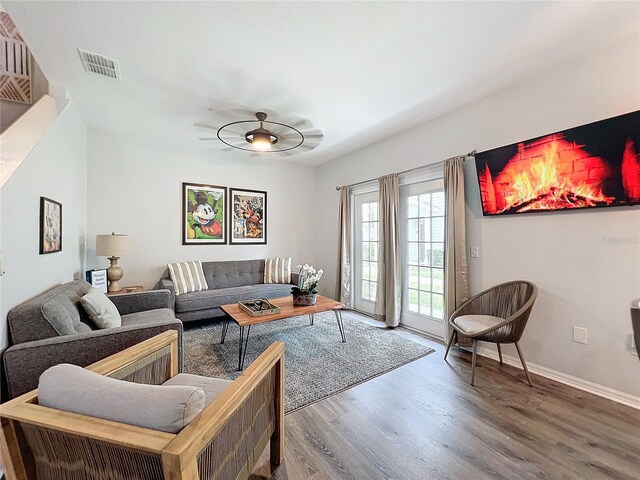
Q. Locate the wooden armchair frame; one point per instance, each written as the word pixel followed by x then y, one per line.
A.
pixel 251 408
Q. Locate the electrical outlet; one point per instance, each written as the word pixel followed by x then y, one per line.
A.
pixel 475 252
pixel 580 335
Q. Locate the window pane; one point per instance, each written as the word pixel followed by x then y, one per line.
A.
pixel 437 229
pixel 412 253
pixel 373 272
pixel 372 291
pixel 365 212
pixel 438 306
pixel 365 289
pixel 437 200
pixel 437 280
pixel 424 254
pixel 373 231
pixel 414 279
pixel 437 255
pixel 425 230
pixel 365 231
pixel 425 202
pixel 365 271
pixel 413 300
pixel 412 230
pixel 373 251
pixel 373 211
pixel 365 251
pixel 412 206
pixel 425 278
pixel 425 303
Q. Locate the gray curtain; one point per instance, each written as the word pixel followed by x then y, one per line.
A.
pixel 456 283
pixel 387 307
pixel 343 275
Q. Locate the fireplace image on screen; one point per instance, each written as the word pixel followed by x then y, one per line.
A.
pixel 595 165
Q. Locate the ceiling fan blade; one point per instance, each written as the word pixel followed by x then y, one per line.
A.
pixel 205 126
pixel 287 153
pixel 313 134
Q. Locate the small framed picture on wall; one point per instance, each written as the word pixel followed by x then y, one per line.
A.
pixel 248 217
pixel 203 214
pixel 50 226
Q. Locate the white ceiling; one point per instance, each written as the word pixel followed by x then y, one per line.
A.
pixel 359 70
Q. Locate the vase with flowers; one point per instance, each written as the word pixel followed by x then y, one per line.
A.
pixel 305 293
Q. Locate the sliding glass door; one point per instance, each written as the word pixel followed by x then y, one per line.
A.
pixel 365 268
pixel 422 252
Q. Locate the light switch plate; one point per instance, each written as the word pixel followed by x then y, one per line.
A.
pixel 580 335
pixel 475 251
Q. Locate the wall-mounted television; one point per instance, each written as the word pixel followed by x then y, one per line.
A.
pixel 595 165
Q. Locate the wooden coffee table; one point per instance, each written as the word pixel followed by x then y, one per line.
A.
pixel 287 310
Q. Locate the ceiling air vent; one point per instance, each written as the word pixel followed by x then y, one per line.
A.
pixel 99 64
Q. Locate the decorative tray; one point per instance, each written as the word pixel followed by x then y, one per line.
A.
pixel 259 307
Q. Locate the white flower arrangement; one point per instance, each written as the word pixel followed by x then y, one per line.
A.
pixel 307 280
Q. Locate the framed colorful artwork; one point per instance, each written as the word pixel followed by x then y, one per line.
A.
pixel 203 214
pixel 591 166
pixel 248 217
pixel 50 226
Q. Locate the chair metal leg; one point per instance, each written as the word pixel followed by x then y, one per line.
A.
pixel 499 353
pixel 311 318
pixel 524 365
pixel 453 332
pixel 473 361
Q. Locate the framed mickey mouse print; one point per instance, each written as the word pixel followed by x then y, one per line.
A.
pixel 203 214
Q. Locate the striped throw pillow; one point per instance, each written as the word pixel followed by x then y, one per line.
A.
pixel 277 270
pixel 187 277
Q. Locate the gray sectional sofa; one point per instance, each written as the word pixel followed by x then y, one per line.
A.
pixel 229 282
pixel 53 328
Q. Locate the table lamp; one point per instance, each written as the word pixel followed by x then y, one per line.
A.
pixel 113 246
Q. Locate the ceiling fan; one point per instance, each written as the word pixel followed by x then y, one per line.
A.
pixel 259 136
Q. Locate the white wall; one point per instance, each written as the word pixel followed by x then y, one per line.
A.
pixel 55 168
pixel 135 187
pixel 585 278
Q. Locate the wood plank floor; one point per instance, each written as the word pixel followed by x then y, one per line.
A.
pixel 424 421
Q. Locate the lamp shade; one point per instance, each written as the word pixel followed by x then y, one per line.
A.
pixel 114 245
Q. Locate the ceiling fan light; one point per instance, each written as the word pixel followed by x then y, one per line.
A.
pixel 261 139
pixel 261 142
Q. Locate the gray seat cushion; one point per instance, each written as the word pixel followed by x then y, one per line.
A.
pixel 212 387
pixel 148 316
pixel 74 389
pixel 214 298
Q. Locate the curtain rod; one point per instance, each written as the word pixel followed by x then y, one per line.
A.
pixel 470 154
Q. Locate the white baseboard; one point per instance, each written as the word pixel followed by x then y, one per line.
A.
pixel 566 379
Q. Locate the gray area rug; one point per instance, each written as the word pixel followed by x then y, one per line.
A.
pixel 317 363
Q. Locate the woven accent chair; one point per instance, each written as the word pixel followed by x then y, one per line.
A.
pixel 497 315
pixel 223 442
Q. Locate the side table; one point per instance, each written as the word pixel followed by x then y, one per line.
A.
pixel 131 289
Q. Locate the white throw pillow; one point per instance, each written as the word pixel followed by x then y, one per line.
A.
pixel 100 309
pixel 187 277
pixel 277 270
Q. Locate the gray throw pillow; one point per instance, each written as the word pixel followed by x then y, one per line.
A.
pixel 74 389
pixel 100 309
